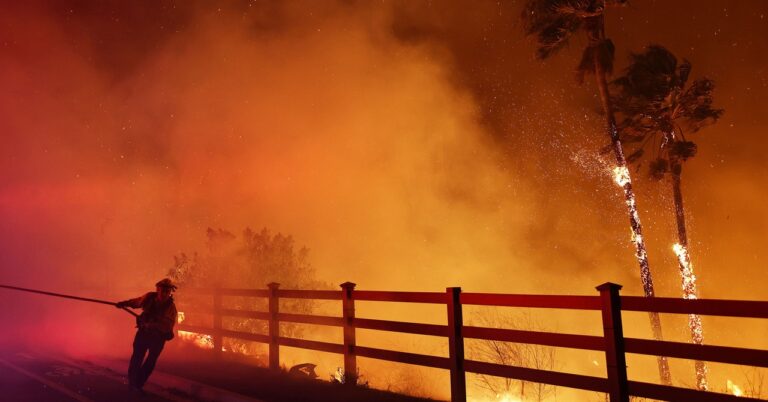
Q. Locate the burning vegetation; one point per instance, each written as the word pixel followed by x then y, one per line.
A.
pixel 412 145
pixel 249 261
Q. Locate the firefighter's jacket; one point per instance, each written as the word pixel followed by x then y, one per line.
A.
pixel 157 316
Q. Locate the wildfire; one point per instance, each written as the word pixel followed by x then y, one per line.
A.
pixel 338 375
pixel 733 388
pixel 622 178
pixel 686 270
pixel 200 340
pixel 503 397
pixel 507 398
pixel 694 320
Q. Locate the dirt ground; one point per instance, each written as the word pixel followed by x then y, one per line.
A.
pixel 245 377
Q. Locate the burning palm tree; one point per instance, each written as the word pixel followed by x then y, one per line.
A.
pixel 658 106
pixel 554 22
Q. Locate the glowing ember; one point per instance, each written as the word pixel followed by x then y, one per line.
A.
pixel 686 270
pixel 622 178
pixel 694 320
pixel 621 175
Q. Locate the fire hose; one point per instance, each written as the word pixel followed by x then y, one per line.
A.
pixel 69 297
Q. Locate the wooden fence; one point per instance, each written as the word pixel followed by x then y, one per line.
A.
pixel 613 343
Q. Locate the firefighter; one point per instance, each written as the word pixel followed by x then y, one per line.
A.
pixel 155 327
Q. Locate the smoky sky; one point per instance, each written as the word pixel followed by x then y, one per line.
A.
pixel 410 145
pixel 396 140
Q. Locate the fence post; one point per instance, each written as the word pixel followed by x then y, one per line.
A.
pixel 615 359
pixel 217 338
pixel 274 326
pixel 456 345
pixel 348 314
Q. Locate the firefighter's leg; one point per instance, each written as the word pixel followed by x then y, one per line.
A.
pixel 140 347
pixel 155 347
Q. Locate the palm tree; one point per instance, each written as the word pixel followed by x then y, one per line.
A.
pixel 554 22
pixel 658 107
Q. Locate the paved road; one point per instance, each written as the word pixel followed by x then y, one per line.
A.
pixel 35 377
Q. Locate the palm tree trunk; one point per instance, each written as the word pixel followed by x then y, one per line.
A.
pixel 686 272
pixel 623 179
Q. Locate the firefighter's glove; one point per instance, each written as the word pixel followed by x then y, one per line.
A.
pixel 121 304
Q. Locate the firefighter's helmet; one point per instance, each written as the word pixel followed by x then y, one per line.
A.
pixel 166 283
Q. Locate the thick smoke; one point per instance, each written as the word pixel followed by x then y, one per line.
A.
pixel 410 147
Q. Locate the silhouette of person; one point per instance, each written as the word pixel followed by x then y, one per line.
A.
pixel 155 327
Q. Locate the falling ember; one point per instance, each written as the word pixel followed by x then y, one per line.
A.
pixel 694 320
pixel 733 388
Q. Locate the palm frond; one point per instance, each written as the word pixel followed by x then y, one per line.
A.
pixel 604 51
pixel 655 101
pixel 651 75
pixel 682 150
pixel 635 156
pixel 580 8
pixel 658 168
pixel 696 105
pixel 554 21
pixel 683 71
pixel 555 36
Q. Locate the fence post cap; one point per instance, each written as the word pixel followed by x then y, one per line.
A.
pixel 453 289
pixel 273 285
pixel 348 285
pixel 609 286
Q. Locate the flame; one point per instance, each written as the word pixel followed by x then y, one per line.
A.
pixel 338 375
pixel 503 397
pixel 621 175
pixel 689 279
pixel 694 320
pixel 733 388
pixel 507 398
pixel 622 178
pixel 200 340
